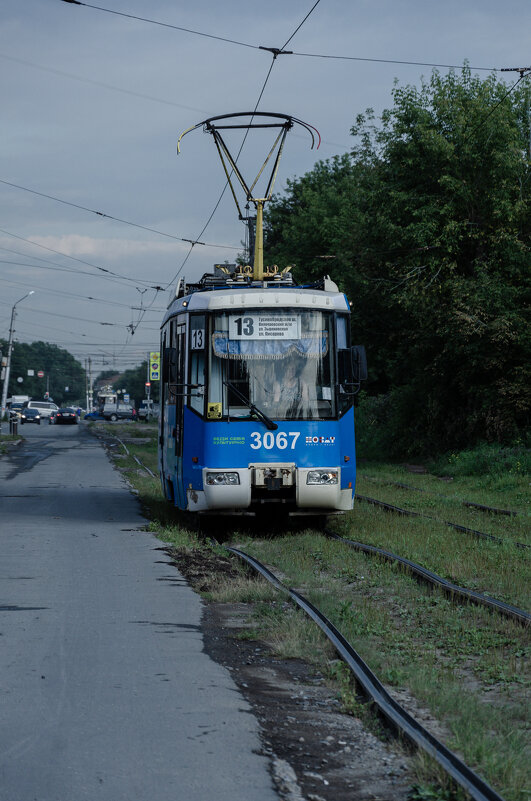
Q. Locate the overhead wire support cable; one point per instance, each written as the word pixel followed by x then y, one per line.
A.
pixel 281 51
pixel 109 216
pixel 524 71
pixel 297 29
pixel 162 24
pixel 393 61
pixel 275 53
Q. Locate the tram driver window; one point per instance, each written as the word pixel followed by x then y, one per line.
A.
pixel 254 369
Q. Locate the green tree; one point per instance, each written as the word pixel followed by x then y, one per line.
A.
pixel 60 369
pixel 134 381
pixel 428 224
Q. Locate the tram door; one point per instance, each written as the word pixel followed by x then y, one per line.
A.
pixel 172 402
pixel 179 390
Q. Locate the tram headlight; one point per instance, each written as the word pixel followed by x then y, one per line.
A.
pixel 322 477
pixel 222 478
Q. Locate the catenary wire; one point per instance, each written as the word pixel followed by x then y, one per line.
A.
pixel 111 275
pixel 241 146
pixel 100 84
pixel 300 55
pixel 162 24
pixel 59 291
pixel 496 105
pixel 115 219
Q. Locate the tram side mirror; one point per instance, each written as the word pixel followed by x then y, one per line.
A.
pixel 358 359
pixel 170 365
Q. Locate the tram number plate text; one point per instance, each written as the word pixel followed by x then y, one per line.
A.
pixel 268 440
pixel 264 326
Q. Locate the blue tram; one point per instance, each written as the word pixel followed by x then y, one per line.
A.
pixel 257 394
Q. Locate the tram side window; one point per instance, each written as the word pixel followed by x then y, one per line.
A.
pixel 198 339
pixel 344 365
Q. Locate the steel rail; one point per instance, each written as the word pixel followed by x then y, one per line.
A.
pixel 432 578
pixel 478 789
pixel 142 465
pixel 471 504
pixel 480 534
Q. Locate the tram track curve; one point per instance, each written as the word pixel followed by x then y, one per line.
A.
pixel 395 714
pixel 450 589
pixel 457 526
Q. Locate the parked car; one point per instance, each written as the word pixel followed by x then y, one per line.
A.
pixel 30 416
pixel 118 411
pixel 93 416
pixel 65 416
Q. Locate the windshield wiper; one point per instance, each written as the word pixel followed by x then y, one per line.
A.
pixel 254 409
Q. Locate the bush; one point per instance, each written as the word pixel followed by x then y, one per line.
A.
pixel 484 459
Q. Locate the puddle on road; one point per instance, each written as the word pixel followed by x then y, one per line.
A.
pixel 25 459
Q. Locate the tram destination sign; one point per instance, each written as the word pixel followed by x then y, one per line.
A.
pixel 264 326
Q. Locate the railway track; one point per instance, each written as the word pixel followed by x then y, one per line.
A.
pixel 469 504
pixel 395 714
pixel 457 526
pixel 450 589
pixel 453 591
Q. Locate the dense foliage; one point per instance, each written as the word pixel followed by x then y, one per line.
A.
pixel 61 371
pixel 134 381
pixel 425 225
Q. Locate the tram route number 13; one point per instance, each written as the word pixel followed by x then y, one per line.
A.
pixel 268 440
pixel 198 339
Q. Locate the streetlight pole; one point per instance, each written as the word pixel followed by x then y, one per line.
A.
pixel 9 350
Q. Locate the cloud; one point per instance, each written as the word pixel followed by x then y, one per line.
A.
pixel 113 249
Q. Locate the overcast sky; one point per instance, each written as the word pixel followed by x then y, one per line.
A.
pixel 93 104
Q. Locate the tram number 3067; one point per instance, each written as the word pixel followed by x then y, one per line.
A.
pixel 268 440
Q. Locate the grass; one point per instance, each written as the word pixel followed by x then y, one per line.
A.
pixel 463 664
pixel 6 439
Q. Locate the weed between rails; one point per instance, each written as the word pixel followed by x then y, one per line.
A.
pixel 461 668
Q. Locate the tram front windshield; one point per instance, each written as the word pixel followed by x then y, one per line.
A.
pixel 280 361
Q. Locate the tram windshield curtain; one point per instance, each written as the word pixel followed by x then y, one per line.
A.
pixel 307 347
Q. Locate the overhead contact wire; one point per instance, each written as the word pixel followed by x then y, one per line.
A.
pixel 242 145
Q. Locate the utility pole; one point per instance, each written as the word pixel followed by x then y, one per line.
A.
pixel 148 388
pixel 9 351
pixel 86 387
pixel 91 387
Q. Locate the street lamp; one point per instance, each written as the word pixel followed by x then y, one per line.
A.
pixel 9 350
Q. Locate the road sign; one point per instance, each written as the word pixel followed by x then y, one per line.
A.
pixel 154 366
pixel 31 372
pixel 40 373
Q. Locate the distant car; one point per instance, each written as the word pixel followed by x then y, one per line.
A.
pixel 65 416
pixel 118 412
pixel 30 416
pixel 45 408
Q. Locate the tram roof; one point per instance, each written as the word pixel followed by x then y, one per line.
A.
pixel 242 297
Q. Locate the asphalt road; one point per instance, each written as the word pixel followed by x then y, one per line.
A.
pixel 105 691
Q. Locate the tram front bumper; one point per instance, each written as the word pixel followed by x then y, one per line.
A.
pixel 237 488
